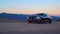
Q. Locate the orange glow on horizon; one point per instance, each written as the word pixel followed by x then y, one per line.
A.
pixel 16 11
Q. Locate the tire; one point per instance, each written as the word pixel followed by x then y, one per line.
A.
pixel 30 21
pixel 49 22
pixel 39 22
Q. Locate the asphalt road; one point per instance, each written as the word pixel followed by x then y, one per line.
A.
pixel 27 28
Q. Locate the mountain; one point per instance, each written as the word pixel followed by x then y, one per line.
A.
pixel 20 16
pixel 55 18
pixel 13 16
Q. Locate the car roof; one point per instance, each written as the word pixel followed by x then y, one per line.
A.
pixel 38 14
pixel 41 14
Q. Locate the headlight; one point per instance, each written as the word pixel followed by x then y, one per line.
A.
pixel 38 17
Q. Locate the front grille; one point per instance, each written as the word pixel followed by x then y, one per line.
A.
pixel 46 19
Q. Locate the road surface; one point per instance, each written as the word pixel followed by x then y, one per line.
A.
pixel 27 28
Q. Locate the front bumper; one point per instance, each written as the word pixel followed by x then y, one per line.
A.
pixel 37 20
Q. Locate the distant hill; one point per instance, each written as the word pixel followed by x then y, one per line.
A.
pixel 58 20
pixel 13 16
pixel 19 16
pixel 55 18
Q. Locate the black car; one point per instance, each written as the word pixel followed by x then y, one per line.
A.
pixel 39 18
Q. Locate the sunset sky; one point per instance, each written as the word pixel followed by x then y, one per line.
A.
pixel 51 7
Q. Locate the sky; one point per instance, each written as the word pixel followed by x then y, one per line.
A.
pixel 51 7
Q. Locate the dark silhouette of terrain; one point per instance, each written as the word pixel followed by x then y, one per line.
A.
pixel 7 16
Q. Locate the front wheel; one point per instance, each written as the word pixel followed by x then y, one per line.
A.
pixel 49 22
pixel 30 21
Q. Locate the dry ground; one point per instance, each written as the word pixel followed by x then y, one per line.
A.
pixel 27 28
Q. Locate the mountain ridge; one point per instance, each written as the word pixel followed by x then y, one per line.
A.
pixel 20 16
